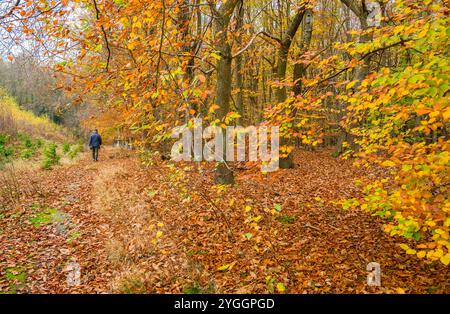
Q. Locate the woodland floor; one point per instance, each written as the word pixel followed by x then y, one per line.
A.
pixel 155 229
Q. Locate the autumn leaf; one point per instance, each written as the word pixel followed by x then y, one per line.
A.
pixel 226 267
pixel 280 287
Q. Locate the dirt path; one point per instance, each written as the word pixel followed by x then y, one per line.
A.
pixel 164 229
pixel 66 229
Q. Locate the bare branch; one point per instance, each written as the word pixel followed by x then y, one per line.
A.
pixel 10 10
pixel 104 35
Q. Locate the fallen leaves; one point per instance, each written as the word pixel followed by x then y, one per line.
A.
pixel 288 234
pixel 226 267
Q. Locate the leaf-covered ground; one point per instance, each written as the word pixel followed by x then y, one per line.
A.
pixel 158 228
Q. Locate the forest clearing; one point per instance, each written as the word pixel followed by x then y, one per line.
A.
pixel 224 147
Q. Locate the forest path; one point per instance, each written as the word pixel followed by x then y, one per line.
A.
pixel 160 228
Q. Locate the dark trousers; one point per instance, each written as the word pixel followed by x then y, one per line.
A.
pixel 95 153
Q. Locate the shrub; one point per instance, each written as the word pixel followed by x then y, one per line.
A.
pixel 25 141
pixel 27 147
pixel 39 143
pixel 51 157
pixel 27 153
pixel 80 143
pixel 5 152
pixel 75 150
pixel 3 139
pixel 66 148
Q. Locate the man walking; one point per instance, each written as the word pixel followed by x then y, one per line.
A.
pixel 94 143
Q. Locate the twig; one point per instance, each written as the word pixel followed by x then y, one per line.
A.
pixel 10 11
pixel 161 41
pixel 104 35
pixel 360 59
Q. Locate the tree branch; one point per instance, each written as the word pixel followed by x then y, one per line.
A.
pixel 104 35
pixel 401 42
pixel 241 51
pixel 163 22
pixel 11 10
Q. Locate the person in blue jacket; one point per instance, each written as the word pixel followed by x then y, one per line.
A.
pixel 94 144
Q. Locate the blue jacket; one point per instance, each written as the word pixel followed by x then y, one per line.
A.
pixel 95 140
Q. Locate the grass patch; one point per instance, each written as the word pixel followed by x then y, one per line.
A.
pixel 194 252
pixel 132 285
pixel 73 236
pixel 5 150
pixel 66 148
pixel 286 219
pixel 192 290
pixel 16 277
pixel 45 217
pixel 196 288
pixel 75 150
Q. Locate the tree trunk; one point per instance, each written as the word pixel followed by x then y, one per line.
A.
pixel 304 43
pixel 224 175
pixel 360 10
pixel 283 52
pixel 239 76
pixel 285 44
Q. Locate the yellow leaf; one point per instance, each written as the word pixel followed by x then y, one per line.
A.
pixel 256 219
pixel 446 115
pixel 438 253
pixel 404 246
pixel 280 287
pixel 421 254
pixel 226 266
pixel 445 259
pixel 215 56
pixel 213 108
pixel 159 234
pixel 350 85
pixel 388 163
pixel 247 208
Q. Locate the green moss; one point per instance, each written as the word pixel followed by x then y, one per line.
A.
pixel 286 219
pixel 132 285
pixel 16 277
pixel 45 217
pixel 73 236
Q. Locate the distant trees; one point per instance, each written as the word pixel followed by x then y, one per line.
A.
pixel 34 88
